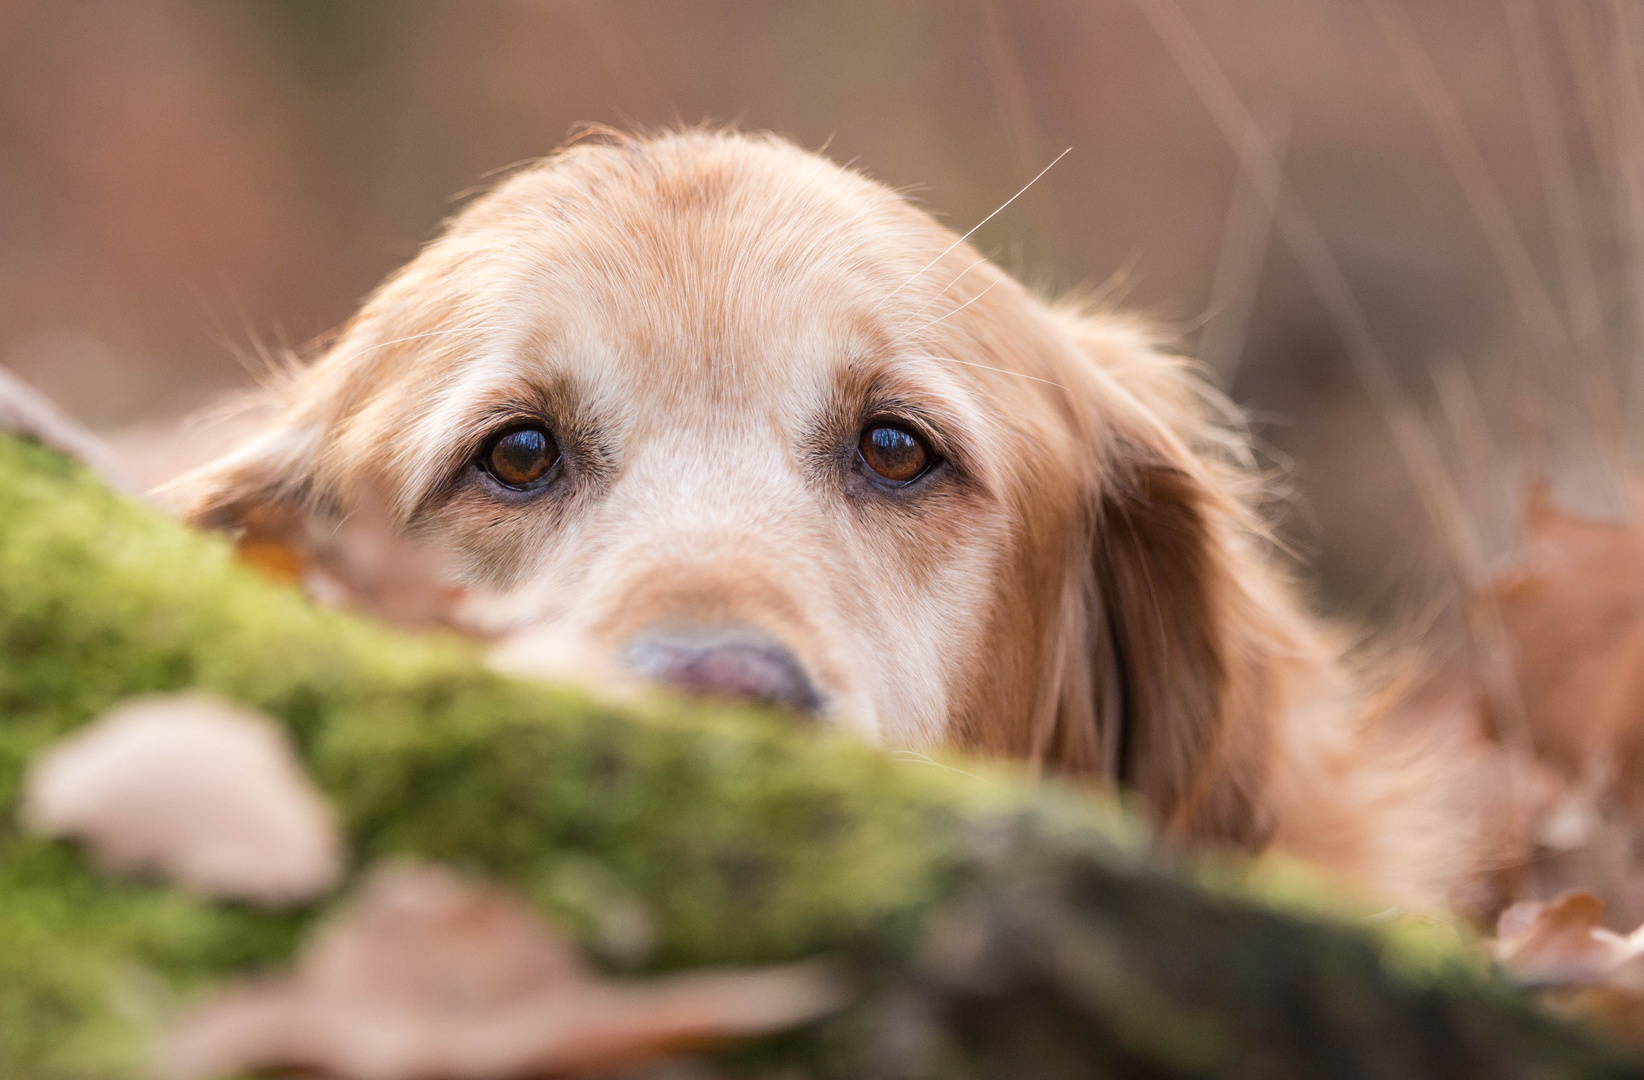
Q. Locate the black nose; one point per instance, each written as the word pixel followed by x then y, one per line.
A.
pixel 723 661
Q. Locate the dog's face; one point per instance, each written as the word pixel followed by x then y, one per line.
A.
pixel 712 410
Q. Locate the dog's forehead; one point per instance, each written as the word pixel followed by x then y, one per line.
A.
pixel 694 283
pixel 711 216
pixel 722 267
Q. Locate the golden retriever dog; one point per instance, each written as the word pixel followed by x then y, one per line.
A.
pixel 710 409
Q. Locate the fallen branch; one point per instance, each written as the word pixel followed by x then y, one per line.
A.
pixel 990 928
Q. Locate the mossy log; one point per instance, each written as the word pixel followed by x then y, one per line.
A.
pixel 994 928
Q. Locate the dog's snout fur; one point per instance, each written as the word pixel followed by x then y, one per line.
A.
pixel 723 661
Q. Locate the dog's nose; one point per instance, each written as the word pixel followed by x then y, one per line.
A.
pixel 725 661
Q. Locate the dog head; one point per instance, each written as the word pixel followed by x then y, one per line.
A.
pixel 714 410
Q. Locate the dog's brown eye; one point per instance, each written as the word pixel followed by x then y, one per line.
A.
pixel 521 457
pixel 893 453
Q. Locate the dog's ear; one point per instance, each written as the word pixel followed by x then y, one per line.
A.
pixel 1181 666
pixel 1180 628
pixel 271 472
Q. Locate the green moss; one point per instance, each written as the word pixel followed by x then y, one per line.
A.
pixel 736 838
pixel 668 836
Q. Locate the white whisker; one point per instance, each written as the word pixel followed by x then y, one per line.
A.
pixel 955 311
pixel 1001 371
pixel 951 284
pixel 925 759
pixel 967 236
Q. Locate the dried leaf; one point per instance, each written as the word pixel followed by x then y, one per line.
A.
pixel 362 563
pixel 1562 942
pixel 194 789
pixel 428 976
pixel 1580 969
pixel 1573 607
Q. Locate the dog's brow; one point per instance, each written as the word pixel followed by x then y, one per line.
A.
pixel 960 277
pixel 985 367
pixel 967 236
pixel 955 311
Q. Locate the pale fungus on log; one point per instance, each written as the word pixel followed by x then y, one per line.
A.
pixel 190 789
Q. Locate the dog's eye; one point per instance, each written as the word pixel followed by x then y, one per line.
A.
pixel 521 457
pixel 894 453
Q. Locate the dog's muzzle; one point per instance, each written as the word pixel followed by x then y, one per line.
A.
pixel 723 661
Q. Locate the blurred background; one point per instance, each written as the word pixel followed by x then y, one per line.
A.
pixel 185 185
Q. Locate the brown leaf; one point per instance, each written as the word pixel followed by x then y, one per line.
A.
pixel 1573 607
pixel 1562 943
pixel 428 976
pixel 278 561
pixel 362 562
pixel 1578 968
pixel 194 789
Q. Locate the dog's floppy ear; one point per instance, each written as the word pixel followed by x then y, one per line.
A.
pixel 1180 628
pixel 273 471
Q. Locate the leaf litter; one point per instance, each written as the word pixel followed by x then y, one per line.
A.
pixel 427 975
pixel 1572 608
